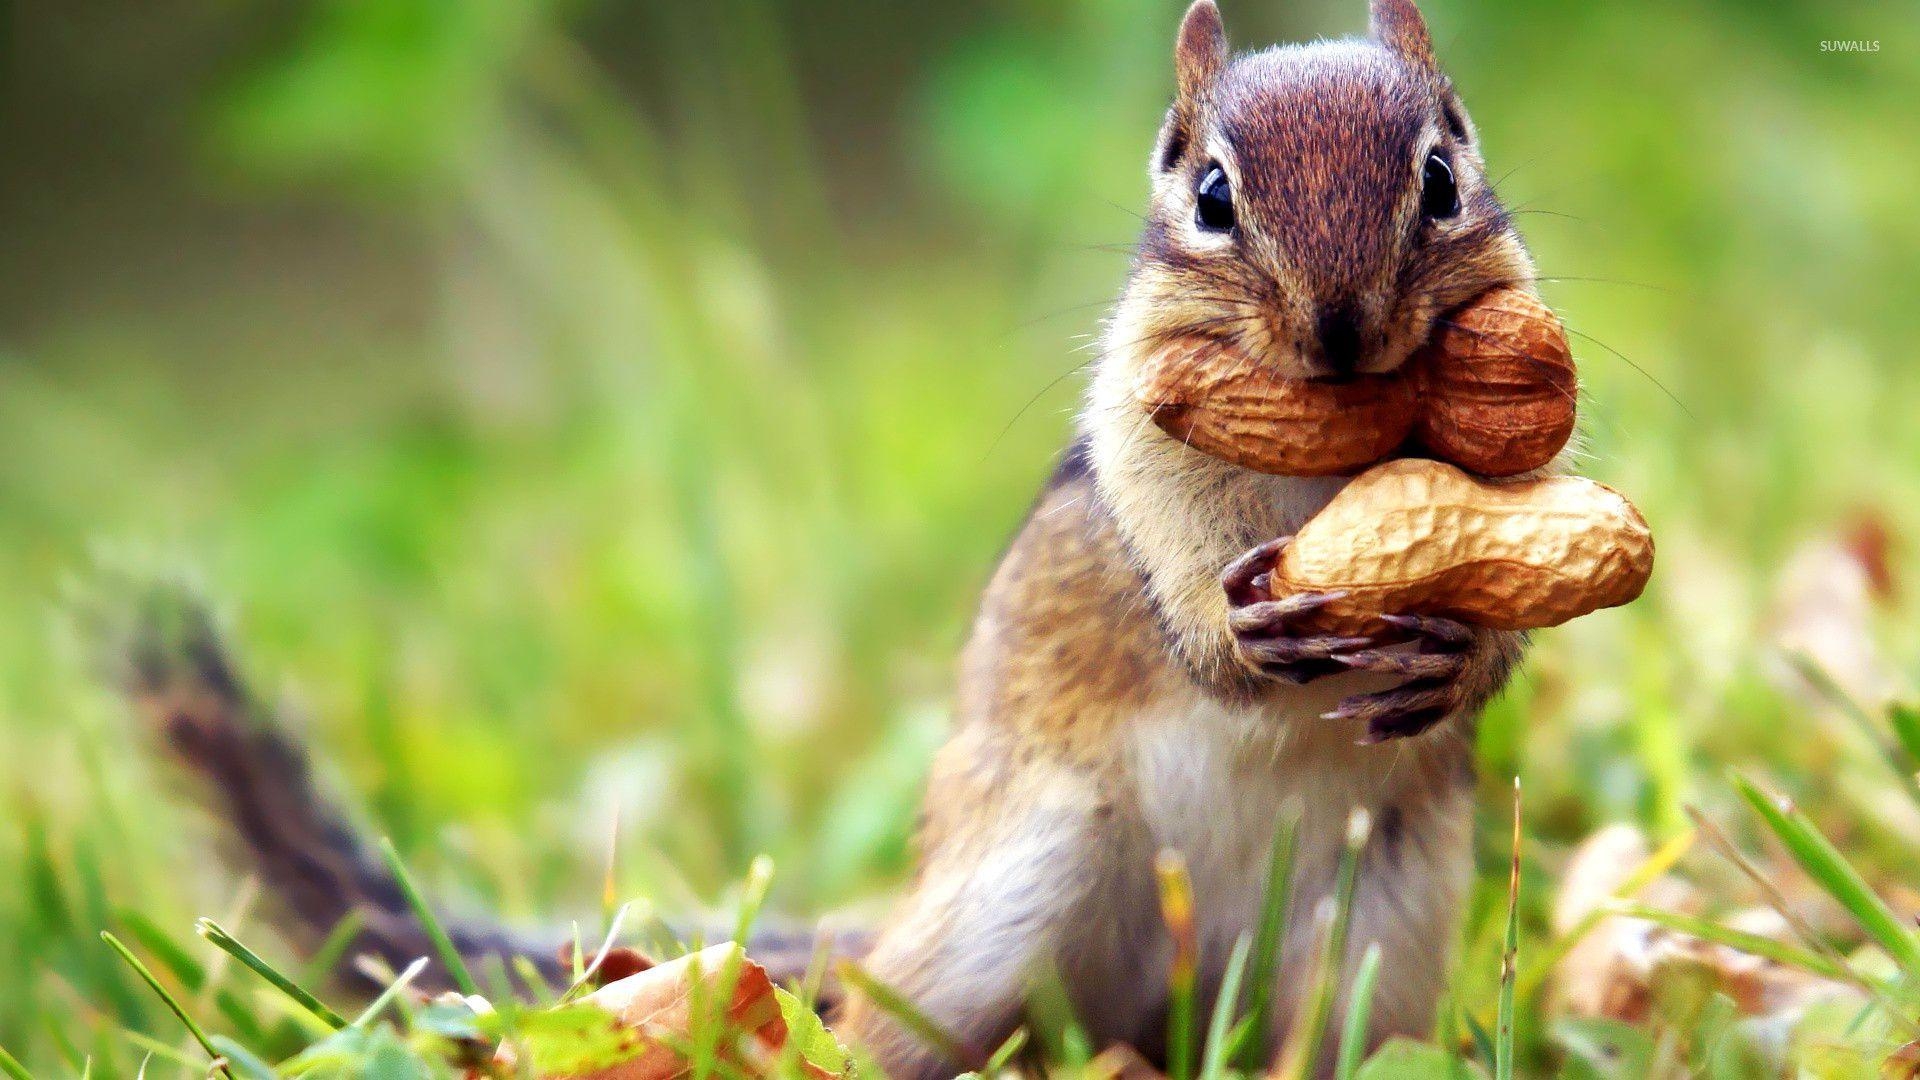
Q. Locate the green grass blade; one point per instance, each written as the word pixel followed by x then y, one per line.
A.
pixel 1062 1041
pixel 1214 1065
pixel 1905 721
pixel 155 1048
pixel 709 1004
pixel 1836 875
pixel 196 978
pixel 1301 1057
pixel 12 1067
pixel 63 1045
pixel 1176 909
pixel 167 952
pixel 46 897
pixel 54 919
pixel 399 983
pixel 1809 936
pixel 450 956
pixel 245 1063
pixel 753 896
pixel 140 969
pixel 906 1014
pixel 225 942
pixel 582 981
pixel 1353 1034
pixel 1503 1046
pixel 531 977
pixel 1267 943
pixel 1899 754
pixel 1482 1039
pixel 1299 1054
pixel 1780 952
pixel 326 959
pixel 1004 1056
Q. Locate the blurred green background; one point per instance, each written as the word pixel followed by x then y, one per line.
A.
pixel 595 409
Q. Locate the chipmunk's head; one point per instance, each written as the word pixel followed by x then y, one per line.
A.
pixel 1314 206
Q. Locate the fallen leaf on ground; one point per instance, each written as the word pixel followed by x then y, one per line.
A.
pixel 1122 1062
pixel 1618 968
pixel 672 1007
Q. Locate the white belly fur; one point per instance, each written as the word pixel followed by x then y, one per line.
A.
pixel 1213 780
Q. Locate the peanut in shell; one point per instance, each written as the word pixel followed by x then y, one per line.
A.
pixel 1416 536
pixel 1497 385
pixel 1234 407
pixel 1493 391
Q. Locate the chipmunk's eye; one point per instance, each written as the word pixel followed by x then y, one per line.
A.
pixel 1213 201
pixel 1439 197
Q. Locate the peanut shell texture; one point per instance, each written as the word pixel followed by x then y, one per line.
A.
pixel 1498 391
pixel 1224 403
pixel 1415 536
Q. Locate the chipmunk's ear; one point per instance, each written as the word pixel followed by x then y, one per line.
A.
pixel 1398 25
pixel 1199 55
pixel 1201 50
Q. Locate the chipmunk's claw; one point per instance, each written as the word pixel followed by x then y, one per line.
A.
pixel 1267 631
pixel 1433 629
pixel 1246 578
pixel 1397 714
pixel 1433 674
pixel 1412 666
pixel 1264 633
pixel 1266 616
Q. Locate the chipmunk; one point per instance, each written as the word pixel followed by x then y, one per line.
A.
pixel 1130 684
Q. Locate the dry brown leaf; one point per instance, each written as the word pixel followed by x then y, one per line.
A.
pixel 658 1004
pixel 619 963
pixel 1902 1064
pixel 1597 977
pixel 1122 1062
pixel 1616 970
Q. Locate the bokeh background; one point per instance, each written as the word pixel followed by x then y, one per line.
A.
pixel 593 410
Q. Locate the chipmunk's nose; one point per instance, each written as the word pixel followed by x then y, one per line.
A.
pixel 1338 331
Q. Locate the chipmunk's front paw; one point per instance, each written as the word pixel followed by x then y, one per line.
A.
pixel 1266 631
pixel 1435 683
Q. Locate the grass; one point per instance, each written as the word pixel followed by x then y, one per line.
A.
pixel 1262 981
pixel 1353 1029
pixel 600 432
pixel 226 943
pixel 1176 908
pixel 1299 1055
pixel 179 1011
pixel 1509 957
pixel 456 965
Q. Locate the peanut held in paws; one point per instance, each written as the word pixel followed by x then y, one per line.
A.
pixel 1421 537
pixel 1497 385
pixel 1222 402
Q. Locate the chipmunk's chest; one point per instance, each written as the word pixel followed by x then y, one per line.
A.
pixel 1214 781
